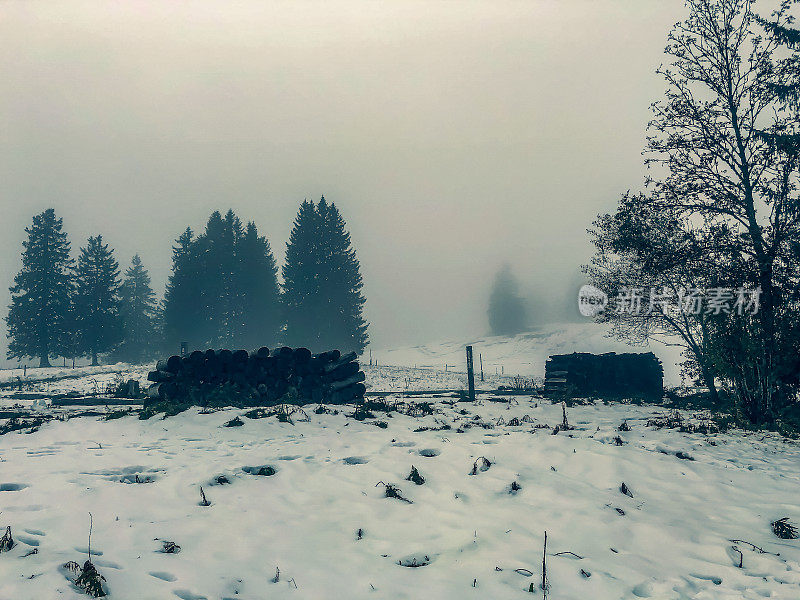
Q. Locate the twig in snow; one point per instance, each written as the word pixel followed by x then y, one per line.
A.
pixel 277 577
pixel 565 426
pixel 485 464
pixel 90 581
pixel 545 585
pixel 564 553
pixel 784 529
pixel 170 548
pixel 415 476
pixel 758 549
pixel 203 500
pixel 89 547
pixel 741 556
pixel 392 491
pixel 6 542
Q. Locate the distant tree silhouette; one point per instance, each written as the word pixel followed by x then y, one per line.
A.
pixel 507 314
pixel 322 284
pixel 97 299
pixel 138 313
pixel 40 296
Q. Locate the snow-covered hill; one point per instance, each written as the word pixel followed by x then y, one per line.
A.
pixel 525 354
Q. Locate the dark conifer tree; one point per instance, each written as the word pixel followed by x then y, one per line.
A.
pixel 68 344
pixel 301 290
pixel 341 284
pixel 230 308
pixel 182 311
pixel 322 282
pixel 138 313
pixel 506 308
pixel 40 294
pixel 223 291
pixel 97 299
pixel 260 317
pixel 209 264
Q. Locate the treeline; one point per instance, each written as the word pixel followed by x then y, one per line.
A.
pixel 223 291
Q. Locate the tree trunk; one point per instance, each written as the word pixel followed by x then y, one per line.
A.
pixel 94 359
pixel 44 361
pixel 708 379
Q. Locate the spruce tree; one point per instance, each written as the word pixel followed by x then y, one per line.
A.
pixel 208 261
pixel 506 308
pixel 97 300
pixel 322 296
pixel 40 295
pixel 231 300
pixel 301 290
pixel 182 311
pixel 138 313
pixel 259 311
pixel 341 284
pixel 223 291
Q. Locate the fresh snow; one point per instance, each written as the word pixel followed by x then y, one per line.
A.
pixel 475 537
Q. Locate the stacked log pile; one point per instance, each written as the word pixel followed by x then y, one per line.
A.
pixel 610 375
pixel 287 375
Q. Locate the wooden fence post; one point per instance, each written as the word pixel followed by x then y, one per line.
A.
pixel 470 375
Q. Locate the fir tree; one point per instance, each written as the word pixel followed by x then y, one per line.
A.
pixel 68 344
pixel 97 300
pixel 223 291
pixel 181 312
pixel 301 290
pixel 259 310
pixel 322 297
pixel 40 294
pixel 138 313
pixel 341 284
pixel 208 262
pixel 231 318
pixel 506 308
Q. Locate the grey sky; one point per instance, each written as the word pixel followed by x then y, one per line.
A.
pixel 454 136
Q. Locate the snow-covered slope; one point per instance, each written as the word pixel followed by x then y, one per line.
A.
pixel 467 535
pixel 525 354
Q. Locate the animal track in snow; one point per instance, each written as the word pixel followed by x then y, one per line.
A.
pixel 429 452
pixel 12 487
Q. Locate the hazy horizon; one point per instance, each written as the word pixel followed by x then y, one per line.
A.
pixel 453 137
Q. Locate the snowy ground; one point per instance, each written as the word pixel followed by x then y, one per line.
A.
pixel 673 540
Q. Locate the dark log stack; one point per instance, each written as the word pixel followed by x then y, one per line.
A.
pixel 610 375
pixel 287 375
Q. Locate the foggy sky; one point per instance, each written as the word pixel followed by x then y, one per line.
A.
pixel 453 136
